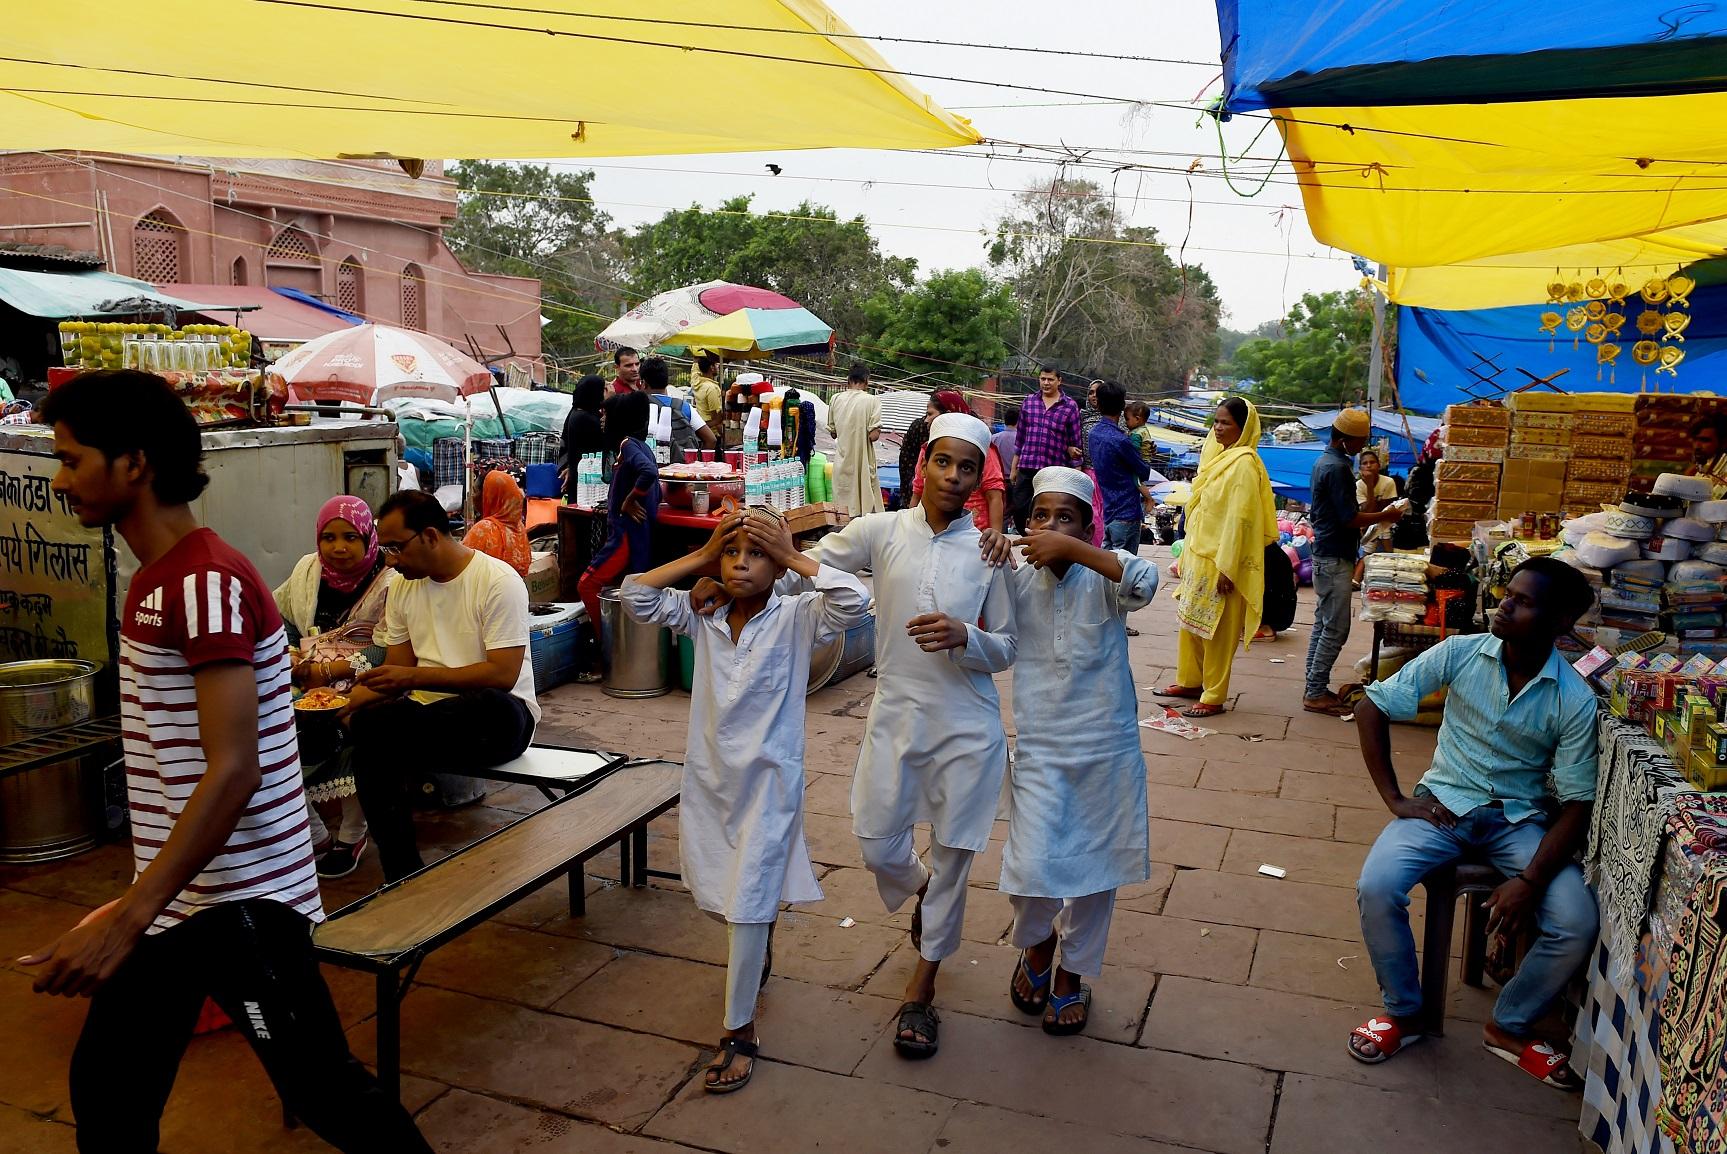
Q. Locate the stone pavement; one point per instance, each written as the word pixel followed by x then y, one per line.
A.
pixel 1219 1024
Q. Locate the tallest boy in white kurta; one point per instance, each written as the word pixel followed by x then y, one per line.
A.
pixel 934 750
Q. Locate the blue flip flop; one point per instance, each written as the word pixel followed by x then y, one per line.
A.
pixel 1038 983
pixel 1052 1023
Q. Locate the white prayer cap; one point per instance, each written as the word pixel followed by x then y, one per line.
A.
pixel 750 379
pixel 1061 479
pixel 962 425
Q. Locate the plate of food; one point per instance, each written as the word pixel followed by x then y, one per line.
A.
pixel 321 701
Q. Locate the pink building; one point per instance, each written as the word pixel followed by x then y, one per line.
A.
pixel 360 235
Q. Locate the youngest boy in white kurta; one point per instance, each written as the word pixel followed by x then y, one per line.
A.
pixel 1077 828
pixel 740 819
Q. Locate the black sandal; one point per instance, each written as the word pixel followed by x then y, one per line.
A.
pixel 919 1018
pixel 730 1050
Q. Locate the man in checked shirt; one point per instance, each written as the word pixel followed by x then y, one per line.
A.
pixel 1049 434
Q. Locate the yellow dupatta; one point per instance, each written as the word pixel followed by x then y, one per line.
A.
pixel 1231 518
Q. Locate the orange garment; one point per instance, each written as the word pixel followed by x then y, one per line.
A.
pixel 501 531
pixel 993 481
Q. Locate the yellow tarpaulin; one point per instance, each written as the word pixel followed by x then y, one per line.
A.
pixel 453 79
pixel 1504 192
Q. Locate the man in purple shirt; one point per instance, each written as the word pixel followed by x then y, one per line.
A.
pixel 1048 434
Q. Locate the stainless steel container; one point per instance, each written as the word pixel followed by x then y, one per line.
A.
pixel 640 659
pixel 52 811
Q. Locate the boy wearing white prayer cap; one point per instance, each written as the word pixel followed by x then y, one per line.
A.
pixel 934 750
pixel 1077 829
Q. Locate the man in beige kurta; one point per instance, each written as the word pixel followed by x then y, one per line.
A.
pixel 854 422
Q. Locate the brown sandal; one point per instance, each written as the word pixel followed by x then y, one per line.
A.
pixel 1203 709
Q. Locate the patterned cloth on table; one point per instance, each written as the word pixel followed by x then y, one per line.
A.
pixel 1636 783
pixel 1694 1035
pixel 1616 1050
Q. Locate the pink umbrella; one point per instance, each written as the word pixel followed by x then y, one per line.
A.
pixel 368 364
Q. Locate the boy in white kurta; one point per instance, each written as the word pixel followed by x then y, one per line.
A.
pixel 934 750
pixel 740 817
pixel 1077 827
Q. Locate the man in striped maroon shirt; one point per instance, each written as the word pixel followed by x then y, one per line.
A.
pixel 224 895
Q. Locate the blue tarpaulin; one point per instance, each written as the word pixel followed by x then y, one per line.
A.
pixel 1437 351
pixel 1280 54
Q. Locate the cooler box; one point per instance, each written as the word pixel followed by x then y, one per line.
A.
pixel 553 633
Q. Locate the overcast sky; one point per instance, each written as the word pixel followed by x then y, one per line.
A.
pixel 1258 281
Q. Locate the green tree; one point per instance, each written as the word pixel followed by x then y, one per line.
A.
pixel 1322 356
pixel 954 319
pixel 529 220
pixel 829 266
pixel 1100 296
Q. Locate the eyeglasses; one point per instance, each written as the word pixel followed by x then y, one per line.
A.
pixel 394 549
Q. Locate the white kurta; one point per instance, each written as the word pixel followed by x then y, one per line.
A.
pixel 934 749
pixel 851 415
pixel 740 819
pixel 1077 819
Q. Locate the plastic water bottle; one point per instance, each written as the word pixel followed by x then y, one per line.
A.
pixel 753 486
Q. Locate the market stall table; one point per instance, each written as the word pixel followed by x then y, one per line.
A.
pixel 1650 1029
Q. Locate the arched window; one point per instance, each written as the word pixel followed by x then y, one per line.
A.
pixel 350 287
pixel 413 298
pixel 292 246
pixel 158 248
pixel 237 273
pixel 292 261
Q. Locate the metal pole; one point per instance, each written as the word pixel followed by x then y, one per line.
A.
pixel 1376 362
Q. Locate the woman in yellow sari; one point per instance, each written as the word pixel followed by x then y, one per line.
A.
pixel 1231 518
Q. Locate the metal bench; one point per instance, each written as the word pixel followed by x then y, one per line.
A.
pixel 392 930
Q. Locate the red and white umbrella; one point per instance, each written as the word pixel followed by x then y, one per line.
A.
pixel 369 364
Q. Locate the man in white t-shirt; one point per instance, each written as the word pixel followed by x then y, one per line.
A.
pixel 455 691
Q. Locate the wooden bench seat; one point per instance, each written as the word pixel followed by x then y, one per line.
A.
pixel 396 927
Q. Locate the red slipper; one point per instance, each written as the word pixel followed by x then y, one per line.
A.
pixel 1387 1037
pixel 1191 692
pixel 1203 709
pixel 1541 1062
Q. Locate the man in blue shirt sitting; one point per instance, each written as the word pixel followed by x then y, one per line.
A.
pixel 1511 784
pixel 1121 471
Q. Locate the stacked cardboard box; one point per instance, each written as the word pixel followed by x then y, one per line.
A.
pixel 1530 486
pixel 1466 484
pixel 1601 451
pixel 1662 440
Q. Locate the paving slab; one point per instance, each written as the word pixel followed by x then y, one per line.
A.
pixel 1172 945
pixel 1264 903
pixel 1321 861
pixel 514 965
pixel 1361 826
pixel 1334 788
pixel 33 1077
pixel 793 1110
pixel 975 1129
pixel 1324 1115
pixel 652 920
pixel 30 922
pixel 1216 1106
pixel 686 1001
pixel 1147 896
pixel 1241 811
pixel 89 880
pixel 975 981
pixel 1173 769
pixel 1242 777
pixel 1188 844
pixel 24 1133
pixel 818 949
pixel 1275 1031
pixel 575 1067
pixel 475 1124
